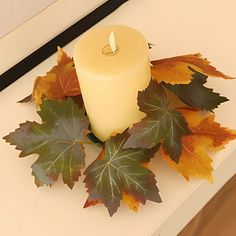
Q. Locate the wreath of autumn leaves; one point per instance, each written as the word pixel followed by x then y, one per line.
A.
pixel 183 134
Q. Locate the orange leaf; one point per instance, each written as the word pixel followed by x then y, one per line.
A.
pixel 131 201
pixel 206 134
pixel 175 70
pixel 194 160
pixel 204 125
pixel 61 81
pixel 91 203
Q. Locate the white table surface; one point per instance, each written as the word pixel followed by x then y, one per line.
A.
pixel 176 27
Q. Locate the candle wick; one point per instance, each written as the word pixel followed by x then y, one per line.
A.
pixel 112 42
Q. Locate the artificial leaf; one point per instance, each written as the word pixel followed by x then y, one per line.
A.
pixel 127 198
pixel 60 82
pixel 160 125
pixel 91 203
pixel 131 201
pixel 195 94
pixel 78 100
pixel 206 134
pixel 205 125
pixel 26 99
pixel 94 139
pixel 194 160
pixel 118 170
pixel 58 141
pixel 175 70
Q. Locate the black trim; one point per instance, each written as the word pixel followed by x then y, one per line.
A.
pixel 42 53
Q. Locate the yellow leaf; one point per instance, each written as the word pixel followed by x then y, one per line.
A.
pixel 175 70
pixel 61 81
pixel 130 200
pixel 206 134
pixel 194 160
pixel 204 125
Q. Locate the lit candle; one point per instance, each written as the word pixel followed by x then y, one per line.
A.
pixel 112 63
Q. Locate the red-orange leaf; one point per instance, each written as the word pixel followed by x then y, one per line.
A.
pixel 206 134
pixel 89 203
pixel 176 70
pixel 61 81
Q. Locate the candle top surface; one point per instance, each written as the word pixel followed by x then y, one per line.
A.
pixel 93 53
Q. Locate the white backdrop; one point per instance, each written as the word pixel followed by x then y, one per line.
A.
pixel 15 12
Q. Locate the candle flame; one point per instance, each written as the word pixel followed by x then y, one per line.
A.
pixel 112 42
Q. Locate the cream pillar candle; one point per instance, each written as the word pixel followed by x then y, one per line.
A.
pixel 110 81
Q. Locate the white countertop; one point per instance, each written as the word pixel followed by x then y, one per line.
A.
pixel 176 27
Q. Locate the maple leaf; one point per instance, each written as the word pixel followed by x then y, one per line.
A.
pixel 206 134
pixel 160 125
pixel 194 160
pixel 118 170
pixel 60 82
pixel 205 125
pixel 127 198
pixel 175 70
pixel 195 94
pixel 26 99
pixel 131 201
pixel 58 141
pixel 91 136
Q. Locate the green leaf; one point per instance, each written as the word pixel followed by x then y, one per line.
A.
pixel 58 141
pixel 160 125
pixel 195 94
pixel 78 100
pixel 119 170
